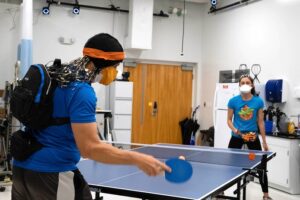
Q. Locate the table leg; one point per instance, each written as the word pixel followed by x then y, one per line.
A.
pixel 238 194
pixel 97 196
pixel 244 189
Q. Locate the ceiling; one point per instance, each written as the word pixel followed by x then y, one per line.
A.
pixel 11 1
pixel 20 1
pixel 199 1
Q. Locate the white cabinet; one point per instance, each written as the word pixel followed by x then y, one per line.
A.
pixel 121 106
pixel 278 167
pixel 121 121
pixel 123 135
pixel 284 168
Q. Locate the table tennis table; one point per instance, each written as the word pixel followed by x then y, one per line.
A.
pixel 214 171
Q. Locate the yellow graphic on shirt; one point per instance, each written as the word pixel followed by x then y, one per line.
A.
pixel 246 113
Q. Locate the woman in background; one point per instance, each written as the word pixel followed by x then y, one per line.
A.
pixel 246 110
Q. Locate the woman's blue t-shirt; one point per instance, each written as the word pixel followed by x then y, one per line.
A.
pixel 245 113
pixel 60 153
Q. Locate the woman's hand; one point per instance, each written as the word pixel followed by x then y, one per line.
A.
pixel 237 132
pixel 265 146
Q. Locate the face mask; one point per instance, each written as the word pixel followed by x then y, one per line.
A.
pixel 108 74
pixel 244 89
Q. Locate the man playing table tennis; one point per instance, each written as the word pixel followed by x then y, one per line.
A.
pixel 51 172
pixel 246 110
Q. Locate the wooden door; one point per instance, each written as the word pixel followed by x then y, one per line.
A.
pixel 170 88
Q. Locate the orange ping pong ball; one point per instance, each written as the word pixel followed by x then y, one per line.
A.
pixel 251 156
pixel 181 157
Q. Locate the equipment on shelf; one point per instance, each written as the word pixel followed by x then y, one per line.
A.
pixel 5 133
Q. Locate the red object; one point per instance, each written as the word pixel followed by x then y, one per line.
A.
pixel 251 156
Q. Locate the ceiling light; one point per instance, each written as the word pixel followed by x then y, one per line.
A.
pixel 76 10
pixel 213 2
pixel 46 10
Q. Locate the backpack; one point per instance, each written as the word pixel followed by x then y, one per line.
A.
pixel 31 101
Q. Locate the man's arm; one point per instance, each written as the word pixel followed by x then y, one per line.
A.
pixel 90 146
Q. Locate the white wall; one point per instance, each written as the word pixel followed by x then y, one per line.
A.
pixel 266 32
pixel 9 32
pixel 61 22
pixel 167 35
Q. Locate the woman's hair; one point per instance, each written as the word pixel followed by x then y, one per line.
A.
pixel 253 92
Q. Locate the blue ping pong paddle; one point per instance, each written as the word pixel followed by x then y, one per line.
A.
pixel 182 170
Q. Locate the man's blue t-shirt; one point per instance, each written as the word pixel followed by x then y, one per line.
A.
pixel 245 113
pixel 60 153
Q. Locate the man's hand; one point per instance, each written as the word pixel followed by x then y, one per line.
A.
pixel 150 165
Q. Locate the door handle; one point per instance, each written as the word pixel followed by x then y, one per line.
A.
pixel 154 109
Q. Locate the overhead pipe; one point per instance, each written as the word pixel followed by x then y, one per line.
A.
pixel 112 7
pixel 235 4
pixel 25 46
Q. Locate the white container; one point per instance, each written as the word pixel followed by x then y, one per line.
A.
pixel 297 92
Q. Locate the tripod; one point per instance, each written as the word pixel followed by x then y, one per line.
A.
pixel 4 157
pixel 107 128
pixel 5 132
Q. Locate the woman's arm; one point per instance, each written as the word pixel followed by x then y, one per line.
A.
pixel 261 125
pixel 90 146
pixel 229 121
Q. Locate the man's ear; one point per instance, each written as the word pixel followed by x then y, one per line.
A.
pixel 90 66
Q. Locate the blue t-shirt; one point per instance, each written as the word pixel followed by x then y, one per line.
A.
pixel 245 113
pixel 60 153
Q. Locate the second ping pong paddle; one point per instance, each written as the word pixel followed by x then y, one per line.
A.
pixel 182 170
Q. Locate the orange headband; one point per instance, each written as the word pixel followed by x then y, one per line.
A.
pixel 96 53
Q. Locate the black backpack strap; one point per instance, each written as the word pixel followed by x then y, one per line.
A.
pixel 60 121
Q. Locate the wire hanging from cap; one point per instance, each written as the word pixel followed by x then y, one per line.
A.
pixel 76 70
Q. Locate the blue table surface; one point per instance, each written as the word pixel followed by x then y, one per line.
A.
pixel 212 169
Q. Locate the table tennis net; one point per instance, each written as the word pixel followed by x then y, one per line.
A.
pixel 206 155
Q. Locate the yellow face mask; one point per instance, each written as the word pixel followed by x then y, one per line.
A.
pixel 108 74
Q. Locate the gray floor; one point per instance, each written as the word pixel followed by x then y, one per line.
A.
pixel 253 193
